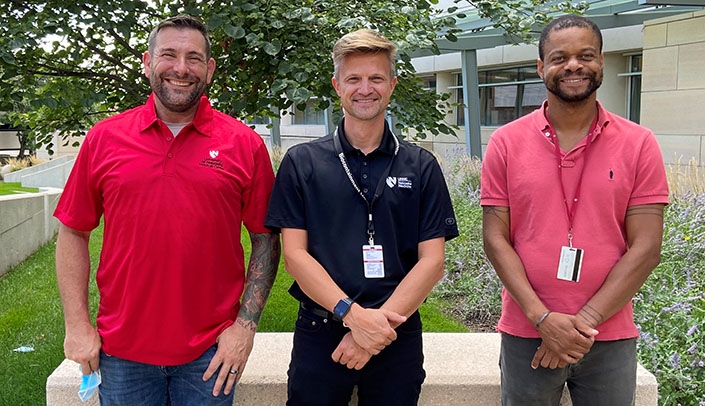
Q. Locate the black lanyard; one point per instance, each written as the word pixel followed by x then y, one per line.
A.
pixel 380 184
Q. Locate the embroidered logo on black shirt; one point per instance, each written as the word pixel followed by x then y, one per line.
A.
pixel 401 182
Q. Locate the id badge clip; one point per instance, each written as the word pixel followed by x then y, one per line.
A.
pixel 373 261
pixel 570 264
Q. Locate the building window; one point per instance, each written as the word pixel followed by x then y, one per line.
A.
pixel 460 98
pixel 312 115
pixel 506 94
pixel 429 83
pixel 634 96
pixel 633 76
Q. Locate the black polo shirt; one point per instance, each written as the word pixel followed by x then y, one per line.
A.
pixel 313 192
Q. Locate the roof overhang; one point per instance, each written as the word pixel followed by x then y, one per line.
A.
pixel 479 33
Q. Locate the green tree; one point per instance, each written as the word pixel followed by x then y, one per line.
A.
pixel 522 20
pixel 71 64
pixel 74 63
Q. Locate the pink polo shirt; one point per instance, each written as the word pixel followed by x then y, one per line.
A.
pixel 624 168
pixel 171 270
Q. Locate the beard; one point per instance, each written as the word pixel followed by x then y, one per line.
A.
pixel 174 100
pixel 364 114
pixel 594 82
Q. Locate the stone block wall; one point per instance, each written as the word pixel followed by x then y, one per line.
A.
pixel 673 87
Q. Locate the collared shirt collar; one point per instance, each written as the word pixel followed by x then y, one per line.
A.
pixel 545 126
pixel 387 145
pixel 201 121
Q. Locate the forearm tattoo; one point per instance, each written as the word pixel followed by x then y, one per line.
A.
pixel 261 272
pixel 495 210
pixel 591 315
pixel 649 210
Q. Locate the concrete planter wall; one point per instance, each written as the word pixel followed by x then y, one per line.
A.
pixel 26 223
pixel 48 174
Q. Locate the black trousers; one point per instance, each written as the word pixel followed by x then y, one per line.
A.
pixel 392 377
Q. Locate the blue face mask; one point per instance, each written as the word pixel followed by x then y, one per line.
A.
pixel 89 385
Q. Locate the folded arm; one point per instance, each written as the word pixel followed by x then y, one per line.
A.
pixel 564 334
pixel 419 282
pixel 644 232
pixel 644 229
pixel 405 300
pixel 370 328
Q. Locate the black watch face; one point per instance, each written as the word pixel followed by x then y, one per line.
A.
pixel 341 308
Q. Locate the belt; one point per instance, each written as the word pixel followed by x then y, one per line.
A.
pixel 320 312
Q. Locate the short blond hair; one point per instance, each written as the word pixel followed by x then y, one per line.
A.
pixel 364 41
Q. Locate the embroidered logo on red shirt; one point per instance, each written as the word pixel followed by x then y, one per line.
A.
pixel 212 161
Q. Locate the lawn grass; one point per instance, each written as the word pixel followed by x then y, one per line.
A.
pixel 31 316
pixel 11 188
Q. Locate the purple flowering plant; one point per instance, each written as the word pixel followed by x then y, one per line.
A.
pixel 669 309
pixel 470 286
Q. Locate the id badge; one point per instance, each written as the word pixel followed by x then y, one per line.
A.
pixel 570 264
pixel 373 261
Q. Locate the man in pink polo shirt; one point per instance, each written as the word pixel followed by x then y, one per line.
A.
pixel 174 181
pixel 573 201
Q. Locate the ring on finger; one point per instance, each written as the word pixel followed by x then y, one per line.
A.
pixel 233 372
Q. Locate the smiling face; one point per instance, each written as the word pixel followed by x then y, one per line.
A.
pixel 365 84
pixel 572 64
pixel 179 72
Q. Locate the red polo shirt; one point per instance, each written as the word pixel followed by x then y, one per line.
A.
pixel 171 271
pixel 624 168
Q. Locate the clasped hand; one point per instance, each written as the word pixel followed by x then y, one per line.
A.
pixel 565 340
pixel 370 332
pixel 371 328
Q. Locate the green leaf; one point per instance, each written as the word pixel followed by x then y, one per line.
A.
pixel 273 48
pixel 278 86
pixel 301 95
pixel 273 58
pixel 234 32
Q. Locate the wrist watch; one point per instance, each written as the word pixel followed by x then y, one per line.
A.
pixel 343 307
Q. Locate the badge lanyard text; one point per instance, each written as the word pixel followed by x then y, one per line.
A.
pixel 380 184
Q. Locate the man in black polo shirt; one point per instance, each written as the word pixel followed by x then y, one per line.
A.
pixel 364 218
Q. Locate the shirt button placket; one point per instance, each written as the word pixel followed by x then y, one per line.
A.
pixel 365 176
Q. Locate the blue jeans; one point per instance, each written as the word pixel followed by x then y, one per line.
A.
pixel 132 383
pixel 606 376
pixel 391 378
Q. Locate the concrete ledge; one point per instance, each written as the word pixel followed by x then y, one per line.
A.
pixel 461 370
pixel 26 224
pixel 52 173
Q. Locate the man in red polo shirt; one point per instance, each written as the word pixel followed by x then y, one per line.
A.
pixel 174 181
pixel 573 201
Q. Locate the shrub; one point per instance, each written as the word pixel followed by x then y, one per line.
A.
pixel 276 154
pixel 470 287
pixel 669 309
pixel 20 163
